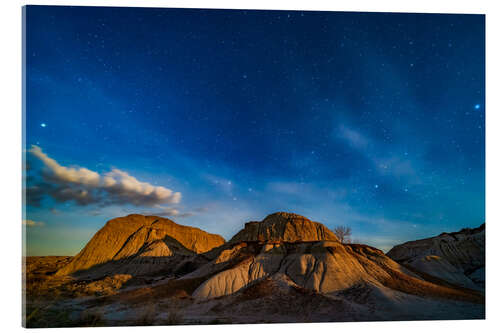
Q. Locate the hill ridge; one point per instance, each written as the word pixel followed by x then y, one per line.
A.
pixel 125 237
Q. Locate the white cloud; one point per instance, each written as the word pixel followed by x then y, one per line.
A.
pixel 165 211
pixel 31 223
pixel 85 186
pixel 63 174
pixel 168 211
pixel 125 188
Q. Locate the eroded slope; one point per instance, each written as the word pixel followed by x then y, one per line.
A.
pixel 457 257
pixel 137 244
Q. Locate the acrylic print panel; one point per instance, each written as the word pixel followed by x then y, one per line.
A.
pixel 177 160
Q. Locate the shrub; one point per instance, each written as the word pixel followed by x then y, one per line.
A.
pixel 91 318
pixel 174 318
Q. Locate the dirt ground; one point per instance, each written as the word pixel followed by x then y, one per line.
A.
pixel 162 300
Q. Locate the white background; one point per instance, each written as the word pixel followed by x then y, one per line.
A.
pixel 10 157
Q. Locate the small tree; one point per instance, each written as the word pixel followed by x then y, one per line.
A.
pixel 343 233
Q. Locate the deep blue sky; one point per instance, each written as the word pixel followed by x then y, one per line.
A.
pixel 371 120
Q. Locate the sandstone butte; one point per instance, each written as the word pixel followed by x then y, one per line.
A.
pixel 284 227
pixel 137 236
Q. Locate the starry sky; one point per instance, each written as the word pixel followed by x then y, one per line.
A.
pixel 217 117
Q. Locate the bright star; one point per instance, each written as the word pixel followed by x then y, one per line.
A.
pixel 376 186
pixel 477 106
pixel 43 125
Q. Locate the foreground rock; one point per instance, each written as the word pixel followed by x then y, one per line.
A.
pixel 138 244
pixel 321 263
pixel 456 257
pixel 142 270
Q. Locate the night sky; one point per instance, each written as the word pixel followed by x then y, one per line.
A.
pixel 217 117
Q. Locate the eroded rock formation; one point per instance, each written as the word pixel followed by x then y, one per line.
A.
pixel 137 244
pixel 291 247
pixel 282 247
pixel 284 227
pixel 283 269
pixel 457 257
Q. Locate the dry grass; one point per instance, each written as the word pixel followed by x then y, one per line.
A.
pixel 174 318
pixel 91 318
pixel 147 315
pixel 47 316
pixel 40 283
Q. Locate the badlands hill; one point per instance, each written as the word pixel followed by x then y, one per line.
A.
pixel 145 270
pixel 283 247
pixel 305 254
pixel 284 227
pixel 137 244
pixel 456 257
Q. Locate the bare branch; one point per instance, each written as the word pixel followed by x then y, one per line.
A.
pixel 343 233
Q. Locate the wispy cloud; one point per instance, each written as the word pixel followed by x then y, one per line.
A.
pixel 61 174
pixel 292 188
pixel 175 212
pixel 397 167
pixel 222 184
pixel 31 223
pixel 352 137
pixel 124 188
pixel 85 186
pixel 387 159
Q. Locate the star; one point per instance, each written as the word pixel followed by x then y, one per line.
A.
pixel 43 125
pixel 477 106
pixel 376 186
